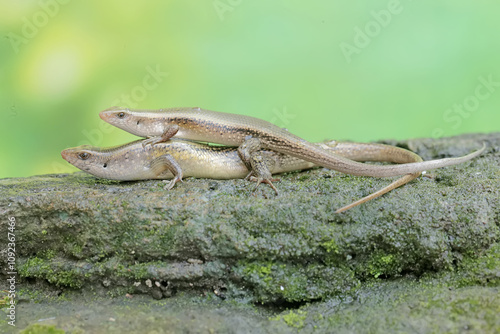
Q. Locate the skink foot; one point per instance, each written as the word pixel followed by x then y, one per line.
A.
pixel 267 181
pixel 169 132
pixel 166 162
pixel 260 163
pixel 172 182
pixel 152 141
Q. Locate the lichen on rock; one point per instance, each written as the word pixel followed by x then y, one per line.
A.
pixel 80 234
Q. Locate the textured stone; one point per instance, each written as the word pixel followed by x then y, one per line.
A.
pixel 78 235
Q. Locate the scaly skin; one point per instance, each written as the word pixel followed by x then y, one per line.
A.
pixel 233 130
pixel 176 158
pixel 130 161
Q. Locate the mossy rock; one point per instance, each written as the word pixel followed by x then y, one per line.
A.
pixel 80 236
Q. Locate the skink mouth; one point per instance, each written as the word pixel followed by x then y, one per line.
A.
pixel 104 115
pixel 68 156
pixel 65 155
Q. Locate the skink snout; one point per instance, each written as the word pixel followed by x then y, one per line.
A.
pixel 107 114
pixel 65 154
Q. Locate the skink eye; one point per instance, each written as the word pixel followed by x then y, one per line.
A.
pixel 120 114
pixel 84 155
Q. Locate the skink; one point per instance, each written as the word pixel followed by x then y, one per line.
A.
pixel 233 130
pixel 177 158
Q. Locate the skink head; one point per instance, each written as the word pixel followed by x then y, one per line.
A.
pixel 88 159
pixel 124 162
pixel 138 122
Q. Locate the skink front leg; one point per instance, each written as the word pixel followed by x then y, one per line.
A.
pixel 167 162
pixel 169 132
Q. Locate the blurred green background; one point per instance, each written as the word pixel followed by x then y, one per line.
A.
pixel 357 70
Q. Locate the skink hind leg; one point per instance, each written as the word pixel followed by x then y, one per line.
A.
pixel 249 148
pixel 167 162
pixel 169 132
pixel 259 163
pixel 262 165
pixel 399 182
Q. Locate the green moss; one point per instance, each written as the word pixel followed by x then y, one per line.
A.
pixel 399 305
pixel 381 264
pixel 303 177
pixel 262 271
pixel 292 319
pixel 42 329
pixel 331 246
pixel 295 282
pixel 4 298
pixel 136 271
pixel 295 319
pixel 120 291
pixel 48 254
pixel 76 250
pixel 140 271
pixel 33 295
pixel 53 271
pixel 484 270
pixel 69 278
pixel 32 263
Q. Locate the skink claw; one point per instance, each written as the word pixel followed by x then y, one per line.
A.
pixel 151 141
pixel 172 182
pixel 260 180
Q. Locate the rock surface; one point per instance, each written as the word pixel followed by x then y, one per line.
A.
pixel 216 257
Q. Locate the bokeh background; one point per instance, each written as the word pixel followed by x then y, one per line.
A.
pixel 356 70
